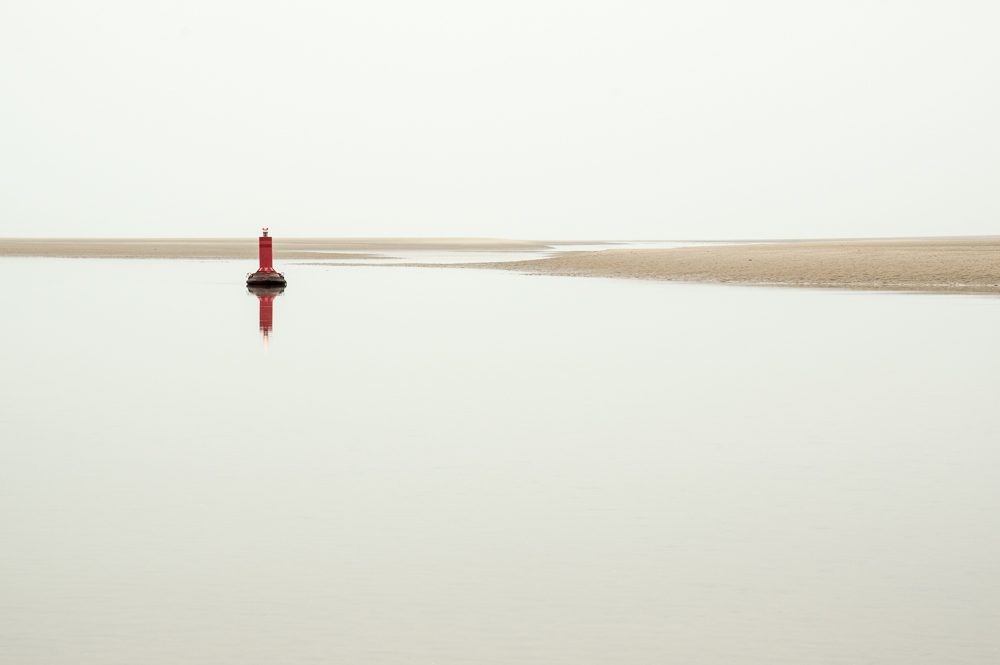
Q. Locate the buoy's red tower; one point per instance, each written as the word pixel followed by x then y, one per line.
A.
pixel 266 275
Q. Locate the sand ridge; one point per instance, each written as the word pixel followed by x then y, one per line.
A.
pixel 947 264
pixel 246 248
pixel 925 264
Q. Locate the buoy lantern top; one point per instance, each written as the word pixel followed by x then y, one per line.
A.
pixel 265 231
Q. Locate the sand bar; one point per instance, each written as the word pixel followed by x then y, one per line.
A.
pixel 246 248
pixel 958 264
pixel 948 264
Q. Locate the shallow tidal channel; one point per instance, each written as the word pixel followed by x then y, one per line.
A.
pixel 444 466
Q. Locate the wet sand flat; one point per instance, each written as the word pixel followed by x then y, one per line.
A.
pixel 244 248
pixel 948 264
pixel 961 264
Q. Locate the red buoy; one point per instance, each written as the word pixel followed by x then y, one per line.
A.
pixel 266 275
pixel 266 253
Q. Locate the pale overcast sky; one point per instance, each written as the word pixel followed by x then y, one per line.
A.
pixel 699 119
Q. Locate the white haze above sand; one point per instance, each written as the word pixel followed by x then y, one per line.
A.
pixel 549 118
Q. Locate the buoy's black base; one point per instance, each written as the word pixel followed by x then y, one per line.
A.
pixel 263 291
pixel 266 278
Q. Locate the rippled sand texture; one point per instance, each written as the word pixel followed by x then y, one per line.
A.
pixel 924 264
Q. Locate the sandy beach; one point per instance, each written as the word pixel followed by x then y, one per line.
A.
pixel 955 264
pixel 246 248
pixel 961 264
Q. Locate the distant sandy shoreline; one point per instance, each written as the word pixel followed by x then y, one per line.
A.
pixel 969 264
pixel 246 248
pixel 955 264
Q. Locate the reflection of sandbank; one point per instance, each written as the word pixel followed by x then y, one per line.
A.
pixel 246 248
pixel 970 264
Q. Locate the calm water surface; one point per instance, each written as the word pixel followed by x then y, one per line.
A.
pixel 450 466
